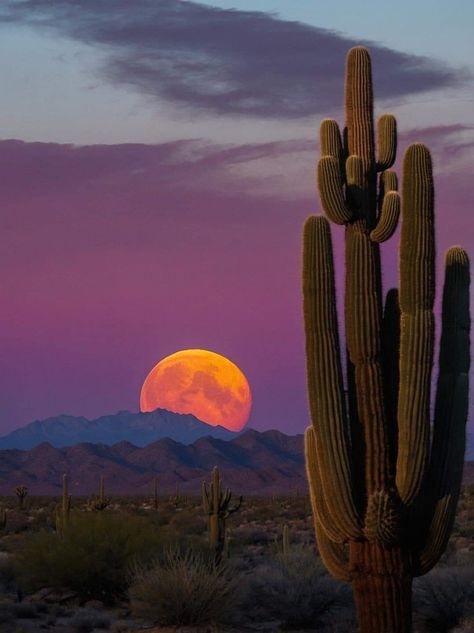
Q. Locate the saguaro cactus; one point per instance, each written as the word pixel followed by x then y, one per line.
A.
pixel 155 493
pixel 64 510
pixel 100 502
pixel 383 495
pixel 3 518
pixel 216 503
pixel 21 493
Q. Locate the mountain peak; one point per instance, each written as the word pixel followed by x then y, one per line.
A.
pixel 139 429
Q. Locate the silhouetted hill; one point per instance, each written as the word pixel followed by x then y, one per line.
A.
pixel 251 463
pixel 139 429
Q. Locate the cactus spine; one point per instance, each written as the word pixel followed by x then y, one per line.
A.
pixel 383 497
pixel 216 503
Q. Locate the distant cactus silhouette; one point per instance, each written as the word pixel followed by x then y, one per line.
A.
pixel 216 503
pixel 155 493
pixel 100 502
pixel 285 540
pixel 21 492
pixel 63 511
pixel 3 519
pixel 383 496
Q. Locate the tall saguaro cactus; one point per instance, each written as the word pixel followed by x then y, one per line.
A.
pixel 383 494
pixel 216 503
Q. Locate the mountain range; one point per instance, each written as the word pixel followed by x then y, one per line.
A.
pixel 130 449
pixel 252 463
pixel 258 463
pixel 139 429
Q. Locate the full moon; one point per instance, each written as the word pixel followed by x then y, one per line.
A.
pixel 200 382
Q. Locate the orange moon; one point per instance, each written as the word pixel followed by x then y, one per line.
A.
pixel 200 382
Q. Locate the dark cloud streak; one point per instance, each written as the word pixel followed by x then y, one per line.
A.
pixel 224 61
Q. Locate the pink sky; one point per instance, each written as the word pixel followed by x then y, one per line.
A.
pixel 117 255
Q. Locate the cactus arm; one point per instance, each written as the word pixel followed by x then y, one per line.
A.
pixel 330 186
pixel 388 181
pixel 355 184
pixel 388 219
pixel 324 374
pixel 334 555
pixel 330 173
pixel 205 498
pixel 330 543
pixel 390 352
pixel 451 410
pixel 386 141
pixel 318 503
pixel 330 140
pixel 359 105
pixel 417 324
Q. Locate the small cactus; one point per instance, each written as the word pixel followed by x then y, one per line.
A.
pixel 21 492
pixel 100 502
pixel 216 504
pixel 155 493
pixel 3 518
pixel 63 511
pixel 285 540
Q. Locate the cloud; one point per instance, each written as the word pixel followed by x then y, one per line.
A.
pixel 224 61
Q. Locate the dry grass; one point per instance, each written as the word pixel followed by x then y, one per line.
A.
pixel 184 589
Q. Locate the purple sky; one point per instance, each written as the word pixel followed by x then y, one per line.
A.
pixel 184 230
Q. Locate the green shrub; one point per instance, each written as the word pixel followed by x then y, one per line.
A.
pixel 91 557
pixel 184 589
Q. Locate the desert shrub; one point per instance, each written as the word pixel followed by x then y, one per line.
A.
pixel 91 557
pixel 188 521
pixel 7 575
pixel 443 599
pixel 184 589
pixel 296 590
pixel 87 620
pixel 6 613
pixel 25 611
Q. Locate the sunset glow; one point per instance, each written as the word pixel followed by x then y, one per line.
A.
pixel 200 382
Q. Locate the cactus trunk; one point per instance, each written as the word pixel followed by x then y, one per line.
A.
pixel 383 494
pixel 216 503
pixel 381 582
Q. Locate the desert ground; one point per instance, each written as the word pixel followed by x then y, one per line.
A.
pixel 144 564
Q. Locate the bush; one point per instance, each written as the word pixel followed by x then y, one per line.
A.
pixel 184 589
pixel 297 590
pixel 7 575
pixel 443 599
pixel 92 556
pixel 87 620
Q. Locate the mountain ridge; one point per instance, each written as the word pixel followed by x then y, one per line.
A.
pixel 255 462
pixel 139 429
